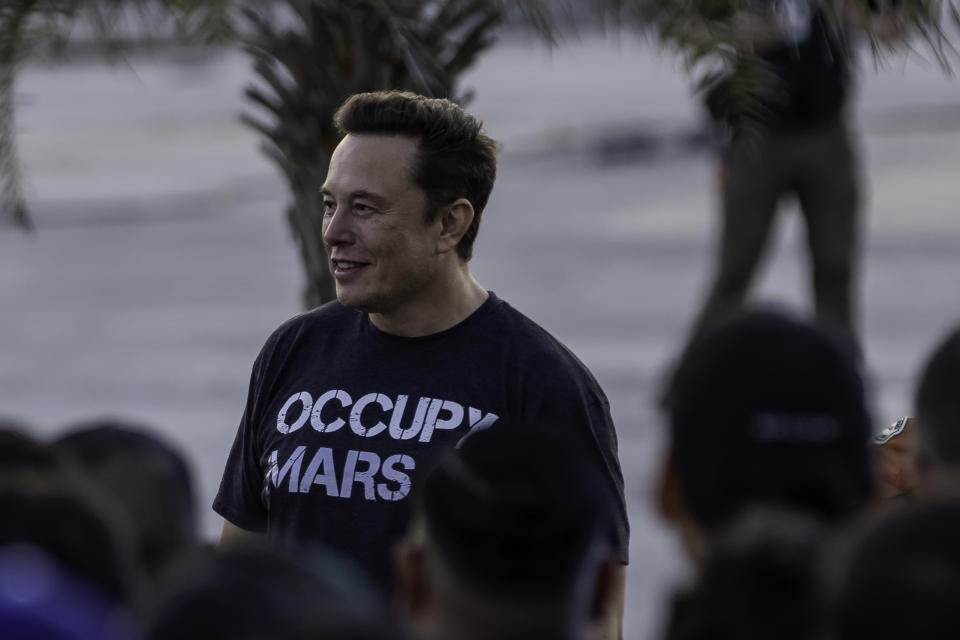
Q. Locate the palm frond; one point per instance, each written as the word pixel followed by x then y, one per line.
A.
pixel 44 27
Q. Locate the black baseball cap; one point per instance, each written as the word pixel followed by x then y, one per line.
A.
pixel 770 409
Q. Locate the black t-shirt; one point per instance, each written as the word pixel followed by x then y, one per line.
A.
pixel 343 419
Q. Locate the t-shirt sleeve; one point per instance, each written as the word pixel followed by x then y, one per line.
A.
pixel 239 498
pixel 569 397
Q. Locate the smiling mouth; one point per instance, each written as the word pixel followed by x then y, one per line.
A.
pixel 346 267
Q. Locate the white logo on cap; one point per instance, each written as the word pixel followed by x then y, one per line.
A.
pixel 795 428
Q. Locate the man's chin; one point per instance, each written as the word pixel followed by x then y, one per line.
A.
pixel 349 299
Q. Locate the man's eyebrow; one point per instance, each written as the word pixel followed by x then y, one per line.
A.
pixel 359 194
pixel 367 195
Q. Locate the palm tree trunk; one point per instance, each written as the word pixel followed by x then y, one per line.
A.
pixel 304 216
pixel 13 207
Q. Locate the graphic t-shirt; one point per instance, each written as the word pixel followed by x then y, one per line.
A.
pixel 342 420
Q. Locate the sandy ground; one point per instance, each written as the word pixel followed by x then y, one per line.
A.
pixel 161 260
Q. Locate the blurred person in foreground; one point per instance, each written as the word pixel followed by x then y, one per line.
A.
pixel 20 451
pixel 501 547
pixel 145 476
pixel 769 411
pixel 41 600
pixel 67 566
pixel 254 593
pixel 350 402
pixel 922 451
pixel 762 581
pixel 46 506
pixel 898 578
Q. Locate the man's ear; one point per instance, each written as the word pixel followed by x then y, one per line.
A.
pixel 413 586
pixel 455 219
pixel 670 502
pixel 674 509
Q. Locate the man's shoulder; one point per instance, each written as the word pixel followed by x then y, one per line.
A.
pixel 533 343
pixel 326 320
pixel 516 325
pixel 332 315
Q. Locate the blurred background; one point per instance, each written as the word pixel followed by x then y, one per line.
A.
pixel 160 257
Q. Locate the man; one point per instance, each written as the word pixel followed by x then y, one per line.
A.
pixel 350 402
pixel 769 411
pixel 498 550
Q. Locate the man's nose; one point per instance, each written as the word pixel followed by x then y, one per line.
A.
pixel 336 227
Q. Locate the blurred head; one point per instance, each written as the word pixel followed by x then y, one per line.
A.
pixel 20 451
pixel 73 528
pixel 453 158
pixel 40 600
pixel 145 476
pixel 512 537
pixel 761 581
pixel 902 575
pixel 768 411
pixel 259 594
pixel 938 407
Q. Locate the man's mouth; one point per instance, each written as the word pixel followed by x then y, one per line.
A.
pixel 346 267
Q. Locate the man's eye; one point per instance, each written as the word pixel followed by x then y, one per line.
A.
pixel 328 207
pixel 363 209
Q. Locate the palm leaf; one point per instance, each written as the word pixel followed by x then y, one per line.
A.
pixel 43 27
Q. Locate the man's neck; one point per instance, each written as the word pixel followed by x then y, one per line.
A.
pixel 450 302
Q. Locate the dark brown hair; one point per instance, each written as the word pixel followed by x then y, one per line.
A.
pixel 455 159
pixel 938 404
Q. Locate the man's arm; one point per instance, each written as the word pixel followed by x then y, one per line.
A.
pixel 233 536
pixel 611 628
pixel 606 610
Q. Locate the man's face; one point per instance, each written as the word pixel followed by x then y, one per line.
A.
pixel 382 253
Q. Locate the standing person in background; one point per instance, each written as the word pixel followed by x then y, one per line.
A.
pixel 783 116
pixel 350 403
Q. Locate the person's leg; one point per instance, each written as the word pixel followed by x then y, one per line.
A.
pixel 751 181
pixel 751 186
pixel 828 188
